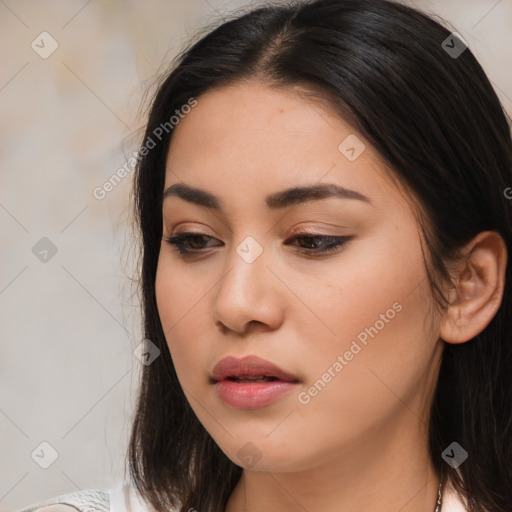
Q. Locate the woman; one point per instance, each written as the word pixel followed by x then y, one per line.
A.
pixel 322 199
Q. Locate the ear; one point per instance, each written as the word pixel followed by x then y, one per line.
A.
pixel 478 292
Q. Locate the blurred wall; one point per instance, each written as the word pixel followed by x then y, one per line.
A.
pixel 71 83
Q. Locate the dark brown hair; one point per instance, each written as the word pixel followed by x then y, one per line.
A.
pixel 436 121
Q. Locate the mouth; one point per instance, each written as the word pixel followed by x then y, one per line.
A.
pixel 246 379
pixel 250 370
pixel 251 382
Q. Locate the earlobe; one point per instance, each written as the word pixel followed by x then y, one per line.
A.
pixel 477 295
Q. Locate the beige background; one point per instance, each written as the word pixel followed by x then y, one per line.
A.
pixel 69 325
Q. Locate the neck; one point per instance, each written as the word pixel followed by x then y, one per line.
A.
pixel 388 473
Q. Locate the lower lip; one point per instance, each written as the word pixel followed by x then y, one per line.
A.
pixel 252 395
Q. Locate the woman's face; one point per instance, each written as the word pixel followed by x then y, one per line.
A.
pixel 350 325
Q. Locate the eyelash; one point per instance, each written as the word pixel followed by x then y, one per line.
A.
pixel 336 242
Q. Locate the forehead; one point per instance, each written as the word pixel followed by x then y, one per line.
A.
pixel 250 139
pixel 243 120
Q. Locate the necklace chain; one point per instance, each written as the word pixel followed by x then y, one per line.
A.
pixel 439 496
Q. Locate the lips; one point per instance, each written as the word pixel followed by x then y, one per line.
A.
pixel 249 369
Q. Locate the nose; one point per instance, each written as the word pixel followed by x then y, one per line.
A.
pixel 248 295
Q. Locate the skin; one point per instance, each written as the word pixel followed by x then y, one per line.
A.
pixel 366 429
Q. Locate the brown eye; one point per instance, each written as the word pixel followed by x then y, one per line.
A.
pixel 322 244
pixel 189 243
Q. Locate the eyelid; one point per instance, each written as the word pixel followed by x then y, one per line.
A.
pixel 301 231
pixel 309 232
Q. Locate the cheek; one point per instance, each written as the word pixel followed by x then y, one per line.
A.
pixel 365 290
pixel 387 376
pixel 379 314
pixel 181 303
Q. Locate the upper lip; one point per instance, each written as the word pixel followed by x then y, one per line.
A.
pixel 249 366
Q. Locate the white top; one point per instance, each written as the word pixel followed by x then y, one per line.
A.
pixel 451 501
pixel 123 498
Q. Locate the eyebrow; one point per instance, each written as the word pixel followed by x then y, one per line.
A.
pixel 277 200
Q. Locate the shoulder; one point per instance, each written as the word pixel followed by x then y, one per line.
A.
pixel 89 500
pixel 122 497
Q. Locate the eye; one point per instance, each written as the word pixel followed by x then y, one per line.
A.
pixel 326 243
pixel 183 240
pixel 188 244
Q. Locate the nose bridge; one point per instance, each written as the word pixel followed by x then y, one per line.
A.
pixel 243 292
pixel 247 266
